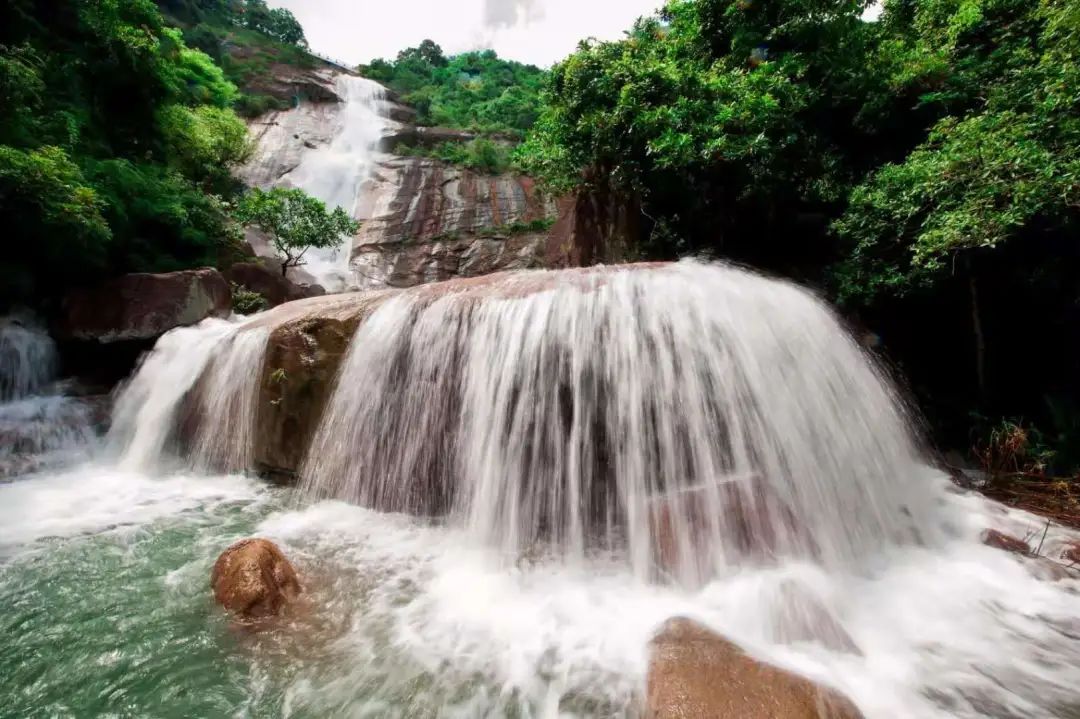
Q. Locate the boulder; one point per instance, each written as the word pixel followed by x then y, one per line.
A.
pixel 262 277
pixel 253 580
pixel 696 674
pixel 1071 553
pixel 308 340
pixel 1000 540
pixel 145 306
pixel 400 113
pixel 434 136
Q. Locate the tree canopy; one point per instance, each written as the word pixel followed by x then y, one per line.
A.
pixel 473 90
pixel 295 222
pixel 116 146
pixel 926 161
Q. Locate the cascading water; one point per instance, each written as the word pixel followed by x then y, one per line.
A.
pixel 28 360
pixel 336 173
pixel 38 426
pixel 606 431
pixel 210 372
pixel 728 413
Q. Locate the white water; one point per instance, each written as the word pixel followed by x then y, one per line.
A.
pixel 28 359
pixel 210 372
pixel 730 408
pixel 449 618
pixel 336 173
pixel 38 426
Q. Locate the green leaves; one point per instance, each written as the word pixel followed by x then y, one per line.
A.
pixel 294 221
pixel 983 178
pixel 473 90
pixel 115 147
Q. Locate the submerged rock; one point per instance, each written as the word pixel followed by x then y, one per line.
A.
pixel 696 674
pixel 145 306
pixel 253 579
pixel 1000 540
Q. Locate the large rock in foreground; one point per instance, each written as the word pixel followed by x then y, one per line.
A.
pixel 696 674
pixel 145 306
pixel 254 580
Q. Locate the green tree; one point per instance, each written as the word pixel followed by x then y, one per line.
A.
pixel 295 222
pixel 115 147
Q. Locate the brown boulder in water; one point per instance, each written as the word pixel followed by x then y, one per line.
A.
pixel 1000 540
pixel 254 580
pixel 696 674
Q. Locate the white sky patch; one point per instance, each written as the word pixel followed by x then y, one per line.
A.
pixel 873 12
pixel 535 31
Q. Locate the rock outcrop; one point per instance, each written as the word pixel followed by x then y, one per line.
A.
pixel 308 340
pixel 696 674
pixel 424 220
pixel 145 306
pixel 266 279
pixel 253 580
pixel 432 222
pixel 594 226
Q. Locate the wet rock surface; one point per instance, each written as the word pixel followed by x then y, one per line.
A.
pixel 696 674
pixel 308 340
pixel 253 580
pixel 140 306
pixel 1005 542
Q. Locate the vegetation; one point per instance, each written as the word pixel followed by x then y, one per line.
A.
pixel 480 154
pixel 294 222
pixel 924 169
pixel 473 91
pixel 247 302
pixel 115 145
pixel 245 38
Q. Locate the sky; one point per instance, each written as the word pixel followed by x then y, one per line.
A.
pixel 540 32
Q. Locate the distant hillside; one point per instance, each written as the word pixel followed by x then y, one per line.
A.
pixel 476 91
pixel 247 40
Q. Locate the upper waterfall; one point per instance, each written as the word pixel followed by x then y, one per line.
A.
pixel 337 158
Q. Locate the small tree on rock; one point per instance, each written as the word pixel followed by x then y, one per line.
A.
pixel 295 222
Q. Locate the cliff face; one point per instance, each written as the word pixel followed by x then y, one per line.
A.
pixel 423 220
pixel 433 221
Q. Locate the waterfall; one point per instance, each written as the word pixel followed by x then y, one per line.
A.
pixel 336 173
pixel 28 359
pixel 198 389
pixel 699 416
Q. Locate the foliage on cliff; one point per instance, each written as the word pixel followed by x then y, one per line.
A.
pixel 925 168
pixel 473 91
pixel 246 39
pixel 115 145
pixel 294 222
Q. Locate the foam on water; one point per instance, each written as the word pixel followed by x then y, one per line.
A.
pixel 408 618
